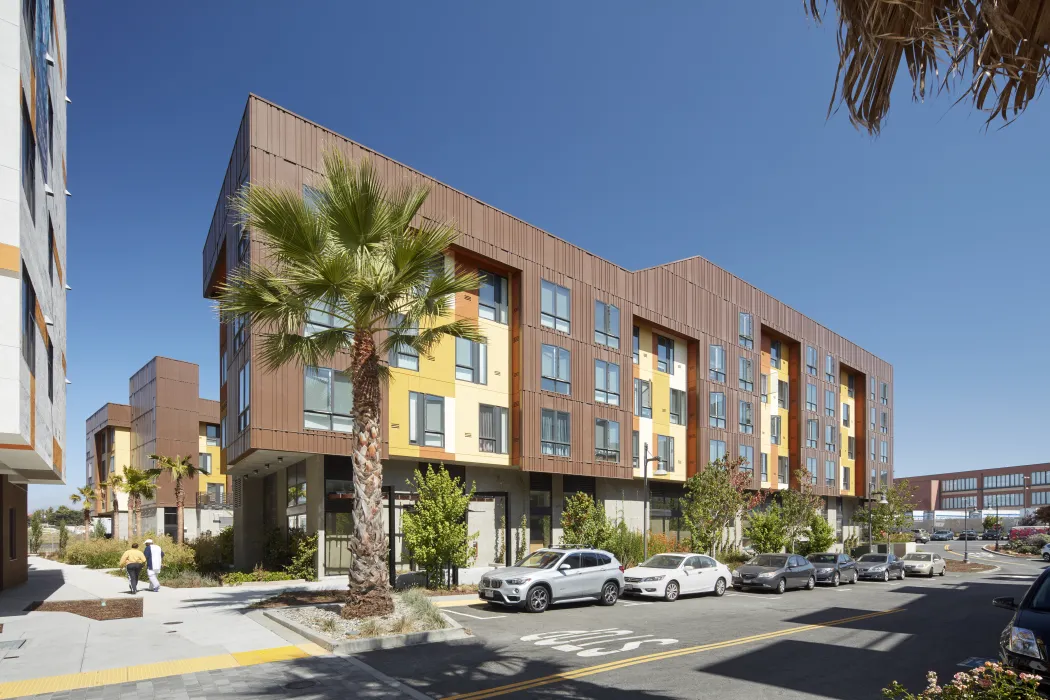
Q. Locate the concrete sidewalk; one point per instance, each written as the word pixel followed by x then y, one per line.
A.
pixel 177 624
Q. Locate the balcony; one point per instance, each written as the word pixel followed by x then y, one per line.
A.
pixel 211 500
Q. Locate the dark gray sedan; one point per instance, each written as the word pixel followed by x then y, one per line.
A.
pixel 880 567
pixel 834 568
pixel 775 572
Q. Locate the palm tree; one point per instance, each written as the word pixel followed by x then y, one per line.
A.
pixel 138 484
pixel 89 496
pixel 112 485
pixel 363 253
pixel 180 468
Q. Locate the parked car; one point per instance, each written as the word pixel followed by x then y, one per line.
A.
pixel 775 572
pixel 921 536
pixel 991 535
pixel 1023 644
pixel 968 535
pixel 923 564
pixel 670 575
pixel 833 568
pixel 1046 552
pixel 555 575
pixel 942 535
pixel 880 567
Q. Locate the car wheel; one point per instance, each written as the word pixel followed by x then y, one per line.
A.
pixel 1046 556
pixel 610 592
pixel 671 592
pixel 781 587
pixel 885 576
pixel 931 572
pixel 942 571
pixel 902 574
pixel 537 599
pixel 853 580
pixel 835 579
pixel 811 583
pixel 720 587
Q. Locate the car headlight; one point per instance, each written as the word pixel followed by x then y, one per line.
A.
pixel 517 581
pixel 736 574
pixel 877 568
pixel 655 578
pixel 765 574
pixel 1023 642
pixel 824 571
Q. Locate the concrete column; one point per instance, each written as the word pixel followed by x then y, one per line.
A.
pixel 557 504
pixel 248 524
pixel 315 500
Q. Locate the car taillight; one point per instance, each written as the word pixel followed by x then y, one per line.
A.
pixel 621 568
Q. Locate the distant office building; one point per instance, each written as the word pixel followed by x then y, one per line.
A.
pixel 1012 489
pixel 164 415
pixel 33 192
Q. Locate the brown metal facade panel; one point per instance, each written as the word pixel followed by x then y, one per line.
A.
pixel 692 299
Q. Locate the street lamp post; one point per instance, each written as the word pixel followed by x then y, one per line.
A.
pixel 998 525
pixel 645 495
pixel 871 534
pixel 966 540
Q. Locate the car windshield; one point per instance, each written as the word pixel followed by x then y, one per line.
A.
pixel 774 560
pixel 916 556
pixel 944 532
pixel 540 560
pixel 662 561
pixel 873 557
pixel 1041 596
pixel 822 558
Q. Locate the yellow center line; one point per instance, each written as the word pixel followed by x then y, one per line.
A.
pixel 633 661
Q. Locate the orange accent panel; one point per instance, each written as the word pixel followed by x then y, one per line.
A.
pixel 434 453
pixel 15 447
pixel 10 258
pixel 58 265
pixel 56 459
pixel 63 363
pixel 38 315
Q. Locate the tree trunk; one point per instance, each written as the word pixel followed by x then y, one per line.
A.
pixel 369 581
pixel 179 502
pixel 87 522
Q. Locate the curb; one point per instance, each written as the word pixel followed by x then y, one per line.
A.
pixel 360 646
pixel 1022 557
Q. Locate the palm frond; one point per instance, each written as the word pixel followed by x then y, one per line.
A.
pixel 290 229
pixel 353 200
pixel 424 341
pixel 315 350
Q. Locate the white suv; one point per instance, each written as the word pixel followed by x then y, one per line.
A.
pixel 555 575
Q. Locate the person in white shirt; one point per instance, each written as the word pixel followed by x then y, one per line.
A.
pixel 154 555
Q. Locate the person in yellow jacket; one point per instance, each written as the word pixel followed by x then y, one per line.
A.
pixel 133 560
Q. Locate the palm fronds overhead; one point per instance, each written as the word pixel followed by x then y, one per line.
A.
pixel 998 50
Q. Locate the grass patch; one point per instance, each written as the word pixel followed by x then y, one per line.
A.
pixel 370 628
pixel 422 610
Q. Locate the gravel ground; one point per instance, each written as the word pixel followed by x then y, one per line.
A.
pixel 326 620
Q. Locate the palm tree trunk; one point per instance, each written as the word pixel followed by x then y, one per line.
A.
pixel 369 581
pixel 87 522
pixel 179 502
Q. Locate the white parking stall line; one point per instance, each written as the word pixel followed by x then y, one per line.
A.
pixel 575 641
pixel 474 617
pixel 633 603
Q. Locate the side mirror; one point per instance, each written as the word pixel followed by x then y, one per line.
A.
pixel 1006 603
pixel 564 567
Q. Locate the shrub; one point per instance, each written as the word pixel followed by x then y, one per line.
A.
pixel 523 539
pixel 213 553
pixel 36 532
pixel 625 544
pixel 821 533
pixel 850 544
pixel 988 682
pixel 1037 541
pixel 98 531
pixel 422 610
pixel 583 522
pixel 259 574
pixel 105 554
pixel 660 543
pixel 436 525
pixel 304 561
pixel 187 579
pixel 766 530
pixel 277 550
pixel 1021 533
pixel 732 557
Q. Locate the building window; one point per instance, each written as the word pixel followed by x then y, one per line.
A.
pixel 240 331
pixel 829 403
pixel 811 469
pixel 747 337
pixel 829 368
pixel 851 385
pixel 634 449
pixel 296 485
pixel 960 502
pixel 244 246
pixel 746 418
pixel 606 325
pixel 426 420
pixel 554 369
pixel 492 297
pixel 845 414
pixel 643 398
pixel 28 321
pixel 204 462
pixel 606 440
pixel 765 467
pixel 1003 499
pixel 774 429
pixel 884 394
pixel 812 433
pixel 540 509
pixel 678 416
pixel 851 449
pixel 830 468
pixel 472 361
pixel 717 450
pixel 847 481
pixel 747 374
pixel 872 412
pixel 28 158
pixel 774 354
pixel 1000 481
pixel 1039 498
pixel 244 387
pixel 212 436
pixel 607 382
pixel 1040 478
pixel 216 494
pixel 716 363
pixel 871 389
pixel 492 429
pixel 884 451
pixel 328 400
pixel 635 343
pixel 829 437
pixel 554 306
pixel 50 370
pixel 811 397
pixel 783 470
pixel 718 409
pixel 665 452
pixel 50 251
pixel 811 360
pixel 765 388
pixel 782 394
pixel 883 423
pixel 748 453
pixel 873 449
pixel 222 368
pixel 402 355
pixel 664 354
pixel 320 318
pixel 554 432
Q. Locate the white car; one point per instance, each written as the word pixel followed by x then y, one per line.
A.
pixel 1046 552
pixel 670 575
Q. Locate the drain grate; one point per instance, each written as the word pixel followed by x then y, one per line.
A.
pixel 300 685
pixel 12 644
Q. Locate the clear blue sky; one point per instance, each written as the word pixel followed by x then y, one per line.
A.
pixel 644 132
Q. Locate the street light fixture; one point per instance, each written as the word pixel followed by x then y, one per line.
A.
pixel 659 471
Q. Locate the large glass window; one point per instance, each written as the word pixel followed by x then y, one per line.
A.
pixel 783 395
pixel 554 432
pixel 204 462
pixel 426 420
pixel 747 374
pixel 606 324
pixel 328 400
pixel 845 414
pixel 240 332
pixel 665 451
pixel 643 398
pixel 28 321
pixel 664 354
pixel 492 297
pixel 554 306
pixel 717 450
pixel 811 397
pixel 607 382
pixel 212 435
pixel 847 481
pixel 811 469
pixel 606 440
pixel 765 388
pixel 472 361
pixel 748 454
pixel 746 332
pixel 812 433
pixel 811 360
pixel 884 423
pixel 884 394
pixel 405 356
pixel 28 156
pixel 635 451
pixel 884 452
pixel 829 368
pixel 1000 481
pixel 829 403
pixel 774 429
pixel 678 416
pixel 774 354
pixel 783 470
pixel 718 409
pixel 851 447
pixel 492 429
pixel 829 437
pixel 765 467
pixel 297 485
pixel 244 387
pixel 716 363
pixel 747 424
pixel 539 509
pixel 554 369
pixel 830 469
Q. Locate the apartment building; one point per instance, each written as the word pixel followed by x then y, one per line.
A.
pixel 32 265
pixel 1013 490
pixel 588 369
pixel 164 415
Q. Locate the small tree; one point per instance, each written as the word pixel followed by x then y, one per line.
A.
pixel 523 539
pixel 1028 520
pixel 765 529
pixel 63 539
pixel 436 526
pixel 892 516
pixel 821 534
pixel 87 494
pixel 990 521
pixel 36 532
pixel 501 546
pixel 714 498
pixel 180 468
pixel 1042 514
pixel 99 530
pixel 798 506
pixel 583 522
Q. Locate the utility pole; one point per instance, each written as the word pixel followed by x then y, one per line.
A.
pixel 645 496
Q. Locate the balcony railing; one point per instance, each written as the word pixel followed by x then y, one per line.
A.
pixel 210 500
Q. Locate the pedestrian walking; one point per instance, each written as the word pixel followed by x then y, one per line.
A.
pixel 154 555
pixel 132 561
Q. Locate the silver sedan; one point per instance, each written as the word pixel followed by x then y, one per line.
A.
pixel 923 564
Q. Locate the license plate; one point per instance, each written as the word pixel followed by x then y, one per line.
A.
pixel 632 588
pixel 489 594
